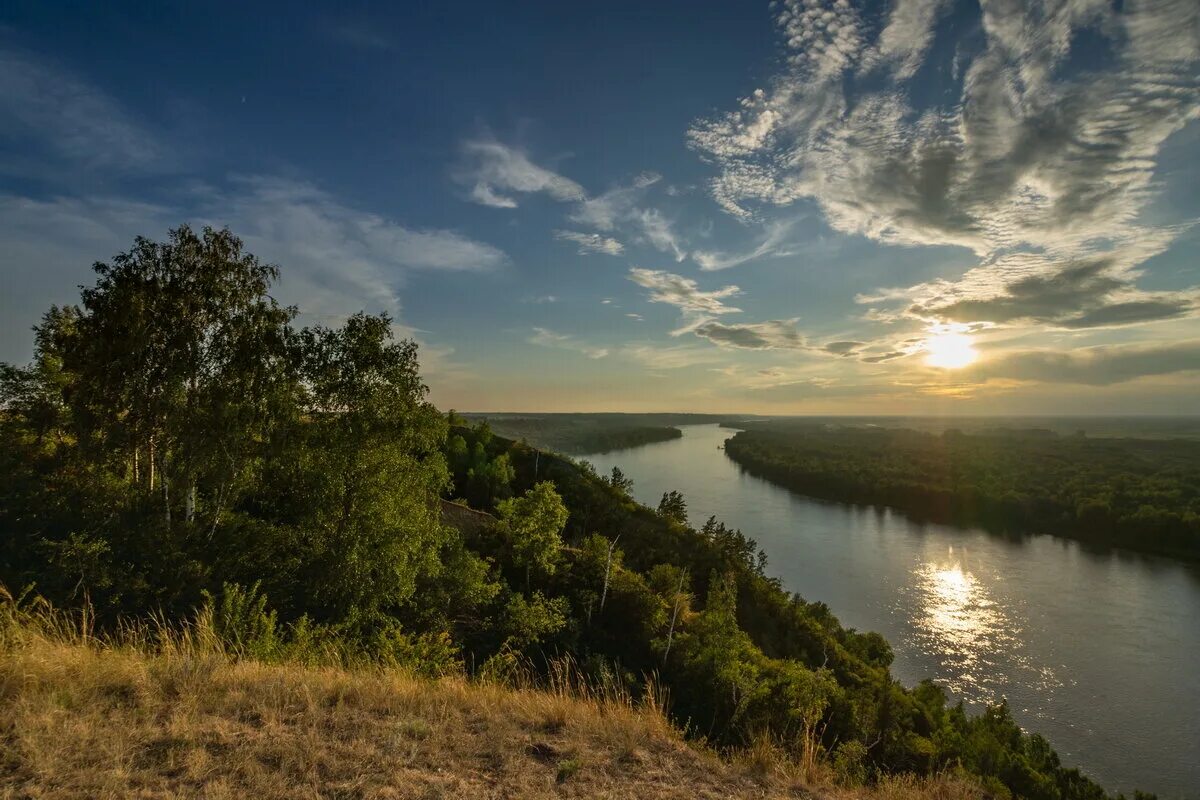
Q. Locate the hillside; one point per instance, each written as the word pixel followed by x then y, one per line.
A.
pixel 85 719
pixel 180 462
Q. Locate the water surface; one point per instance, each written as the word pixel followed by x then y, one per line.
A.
pixel 1099 650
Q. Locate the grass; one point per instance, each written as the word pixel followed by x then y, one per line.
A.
pixel 156 714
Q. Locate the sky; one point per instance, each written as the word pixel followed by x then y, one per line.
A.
pixel 914 207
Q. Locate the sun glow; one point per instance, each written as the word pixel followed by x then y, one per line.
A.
pixel 949 350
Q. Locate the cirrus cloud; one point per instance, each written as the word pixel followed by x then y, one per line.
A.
pixel 1036 168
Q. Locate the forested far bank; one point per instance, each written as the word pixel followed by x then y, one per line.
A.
pixel 1140 494
pixel 577 434
pixel 178 443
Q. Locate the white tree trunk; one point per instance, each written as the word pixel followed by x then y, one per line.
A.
pixel 190 512
pixel 166 486
pixel 607 572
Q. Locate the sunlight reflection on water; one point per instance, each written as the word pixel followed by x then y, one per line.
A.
pixel 956 617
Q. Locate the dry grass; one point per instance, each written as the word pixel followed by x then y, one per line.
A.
pixel 90 719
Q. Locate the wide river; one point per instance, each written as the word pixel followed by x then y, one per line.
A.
pixel 1098 651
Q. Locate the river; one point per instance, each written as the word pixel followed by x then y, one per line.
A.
pixel 1097 650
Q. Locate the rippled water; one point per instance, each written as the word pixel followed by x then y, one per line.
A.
pixel 1097 650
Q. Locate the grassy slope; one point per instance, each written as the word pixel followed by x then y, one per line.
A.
pixel 78 719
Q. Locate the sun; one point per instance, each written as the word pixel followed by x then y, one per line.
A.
pixel 949 350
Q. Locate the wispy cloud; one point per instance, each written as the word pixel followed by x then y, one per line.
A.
pixel 1035 168
pixel 548 338
pixel 1095 366
pixel 778 334
pixel 1093 292
pixel 620 207
pixel 605 211
pixel 47 108
pixel 843 348
pixel 771 244
pixel 360 34
pixel 658 232
pixel 494 169
pixel 591 242
pixel 676 290
pixel 337 259
pixel 676 357
pixel 906 37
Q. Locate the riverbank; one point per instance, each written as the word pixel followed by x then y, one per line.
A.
pixel 1139 494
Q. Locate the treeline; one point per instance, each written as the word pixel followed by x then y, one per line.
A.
pixel 177 443
pixel 582 433
pixel 1142 494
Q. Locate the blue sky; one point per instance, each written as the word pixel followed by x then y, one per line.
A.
pixel 923 206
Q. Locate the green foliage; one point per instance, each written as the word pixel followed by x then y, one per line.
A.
pixel 481 477
pixel 532 526
pixel 530 620
pixel 242 622
pixel 174 433
pixel 618 481
pixel 673 507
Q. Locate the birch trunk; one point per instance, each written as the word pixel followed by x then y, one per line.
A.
pixel 166 489
pixel 190 512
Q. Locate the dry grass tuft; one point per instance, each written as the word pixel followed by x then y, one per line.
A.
pixel 156 715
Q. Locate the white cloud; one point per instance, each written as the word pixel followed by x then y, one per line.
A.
pixel 619 207
pixel 548 338
pixel 676 357
pixel 771 245
pixel 905 39
pixel 1095 366
pixel 606 210
pixel 657 230
pixel 591 242
pixel 683 292
pixel 1034 167
pixel 1091 291
pixel 494 168
pixel 47 108
pixel 486 196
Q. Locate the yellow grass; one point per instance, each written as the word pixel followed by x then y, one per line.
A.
pixel 81 717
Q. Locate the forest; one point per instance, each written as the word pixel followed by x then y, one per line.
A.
pixel 578 434
pixel 178 442
pixel 1140 494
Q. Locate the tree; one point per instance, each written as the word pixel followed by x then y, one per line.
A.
pixel 177 364
pixel 533 526
pixel 673 507
pixel 361 475
pixel 618 481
